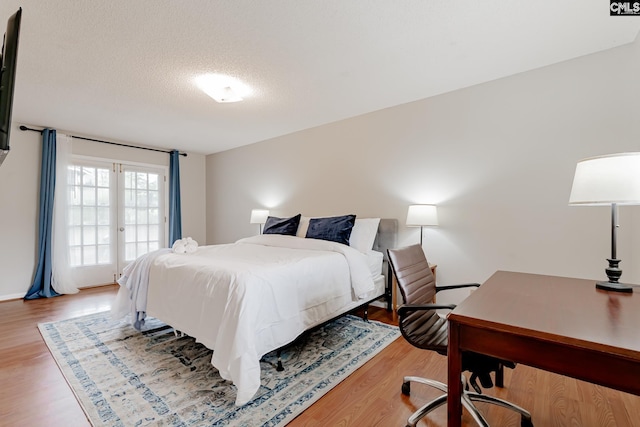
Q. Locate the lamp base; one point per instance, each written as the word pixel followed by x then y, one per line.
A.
pixel 614 286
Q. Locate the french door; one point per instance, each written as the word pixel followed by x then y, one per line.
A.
pixel 141 219
pixel 116 213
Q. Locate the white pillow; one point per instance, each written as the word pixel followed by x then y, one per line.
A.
pixel 363 233
pixel 303 226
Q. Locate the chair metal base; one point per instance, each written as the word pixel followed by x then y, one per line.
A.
pixel 468 397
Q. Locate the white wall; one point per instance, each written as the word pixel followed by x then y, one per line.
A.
pixel 19 181
pixel 19 201
pixel 498 159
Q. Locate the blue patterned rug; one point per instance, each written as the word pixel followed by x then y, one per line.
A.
pixel 123 377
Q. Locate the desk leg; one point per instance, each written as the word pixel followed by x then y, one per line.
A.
pixel 454 360
pixel 500 376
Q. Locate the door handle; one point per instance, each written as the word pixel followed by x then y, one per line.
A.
pixel 121 228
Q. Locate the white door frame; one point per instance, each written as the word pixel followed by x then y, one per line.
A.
pixel 96 275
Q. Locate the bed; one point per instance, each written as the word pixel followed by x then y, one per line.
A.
pixel 246 299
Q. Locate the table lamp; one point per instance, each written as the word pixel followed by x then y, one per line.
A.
pixel 420 216
pixel 259 216
pixel 608 180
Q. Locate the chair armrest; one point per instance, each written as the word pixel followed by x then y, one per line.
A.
pixel 449 287
pixel 403 309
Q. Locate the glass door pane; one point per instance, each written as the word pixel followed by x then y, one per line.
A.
pixel 91 221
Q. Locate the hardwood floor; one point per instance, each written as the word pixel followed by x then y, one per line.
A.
pixel 33 392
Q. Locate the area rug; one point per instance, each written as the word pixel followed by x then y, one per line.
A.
pixel 123 377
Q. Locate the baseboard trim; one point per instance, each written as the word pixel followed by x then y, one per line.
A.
pixel 11 297
pixel 379 303
pixel 97 286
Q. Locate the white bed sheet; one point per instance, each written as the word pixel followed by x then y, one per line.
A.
pixel 374 262
pixel 246 299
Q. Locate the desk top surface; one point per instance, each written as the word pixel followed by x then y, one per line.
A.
pixel 561 309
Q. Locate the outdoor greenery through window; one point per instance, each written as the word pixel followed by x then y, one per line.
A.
pixel 116 213
pixel 141 213
pixel 89 215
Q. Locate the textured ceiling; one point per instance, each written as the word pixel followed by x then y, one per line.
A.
pixel 123 70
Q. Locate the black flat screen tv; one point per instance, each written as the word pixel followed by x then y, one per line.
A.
pixel 8 62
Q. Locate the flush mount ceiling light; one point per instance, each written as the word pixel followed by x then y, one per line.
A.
pixel 222 88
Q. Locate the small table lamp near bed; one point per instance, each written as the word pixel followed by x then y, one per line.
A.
pixel 422 215
pixel 608 180
pixel 259 216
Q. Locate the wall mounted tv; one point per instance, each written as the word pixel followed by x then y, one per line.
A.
pixel 8 62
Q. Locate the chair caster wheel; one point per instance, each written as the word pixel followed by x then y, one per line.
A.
pixel 406 388
pixel 526 422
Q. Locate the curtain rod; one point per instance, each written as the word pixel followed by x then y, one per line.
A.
pixel 22 127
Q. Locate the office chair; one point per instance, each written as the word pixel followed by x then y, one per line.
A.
pixel 424 328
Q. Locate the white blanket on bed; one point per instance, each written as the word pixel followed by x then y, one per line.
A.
pixel 361 280
pixel 246 299
pixel 134 283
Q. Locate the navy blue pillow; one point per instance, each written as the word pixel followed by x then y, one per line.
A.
pixel 286 226
pixel 335 229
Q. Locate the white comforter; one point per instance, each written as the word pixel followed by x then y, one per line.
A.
pixel 246 299
pixel 134 282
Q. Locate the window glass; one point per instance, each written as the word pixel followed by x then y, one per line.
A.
pixel 89 219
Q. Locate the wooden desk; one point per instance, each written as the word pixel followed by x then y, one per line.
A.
pixel 558 324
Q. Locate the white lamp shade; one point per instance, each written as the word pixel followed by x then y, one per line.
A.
pixel 258 216
pixel 419 215
pixel 608 179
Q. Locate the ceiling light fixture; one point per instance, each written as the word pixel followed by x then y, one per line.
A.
pixel 222 88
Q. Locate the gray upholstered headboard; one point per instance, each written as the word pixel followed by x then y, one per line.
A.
pixel 387 237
